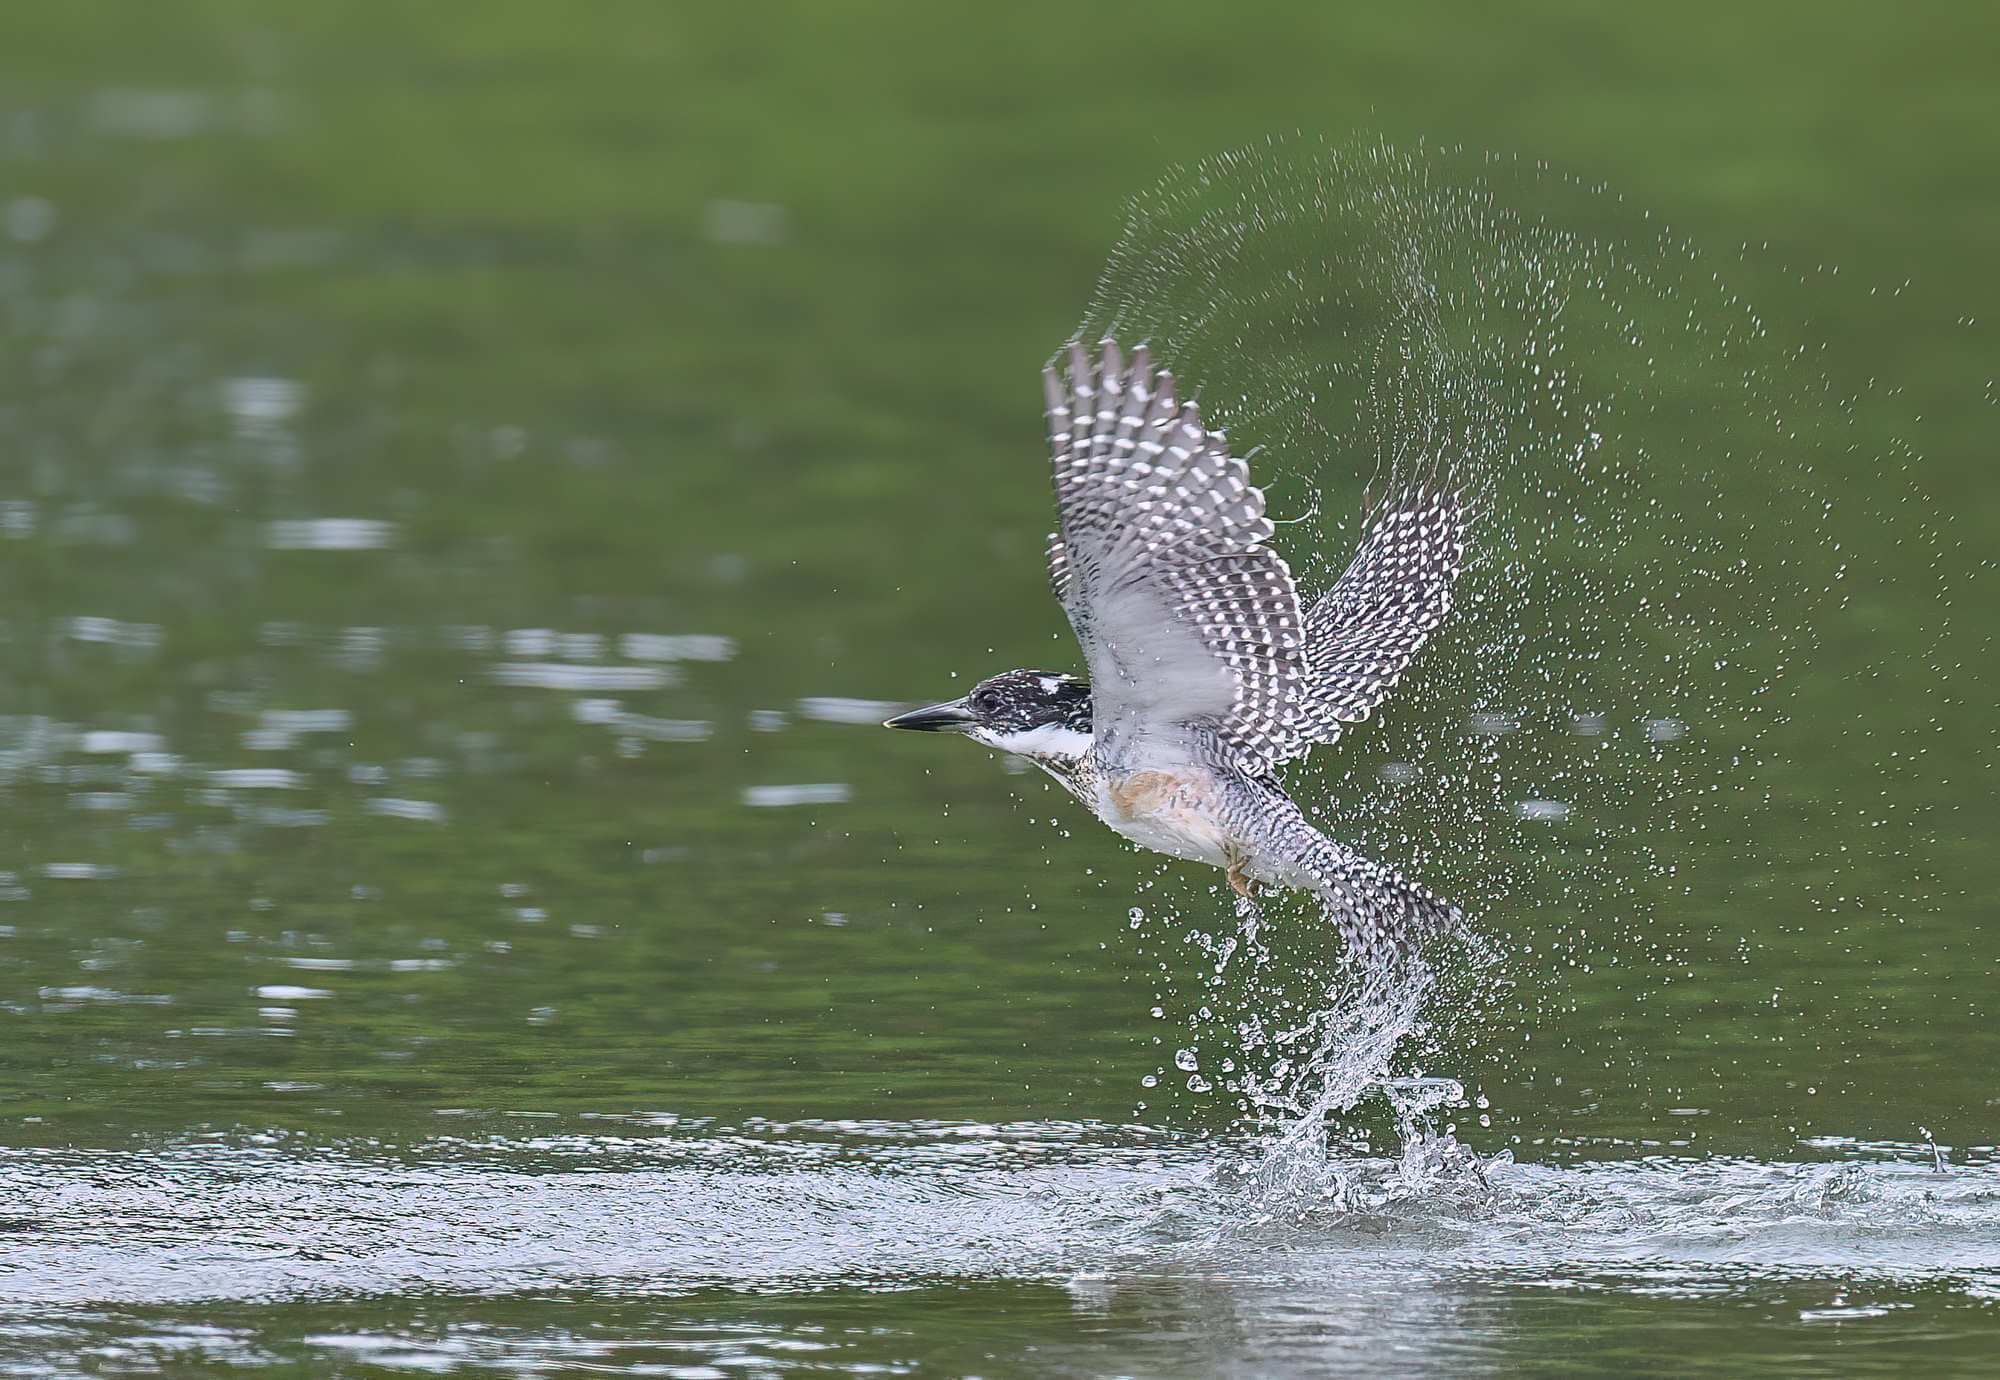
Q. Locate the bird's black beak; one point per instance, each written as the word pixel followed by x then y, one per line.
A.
pixel 951 715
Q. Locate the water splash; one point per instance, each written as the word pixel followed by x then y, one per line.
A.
pixel 1587 754
pixel 1324 1067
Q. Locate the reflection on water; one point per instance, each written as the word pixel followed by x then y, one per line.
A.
pixel 553 675
pixel 816 793
pixel 328 534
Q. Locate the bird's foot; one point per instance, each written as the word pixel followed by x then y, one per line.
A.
pixel 1249 915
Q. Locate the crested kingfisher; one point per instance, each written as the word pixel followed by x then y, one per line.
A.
pixel 1205 673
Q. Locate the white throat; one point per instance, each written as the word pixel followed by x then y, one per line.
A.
pixel 1047 740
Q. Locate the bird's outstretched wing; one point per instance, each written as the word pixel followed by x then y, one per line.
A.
pixel 1362 634
pixel 1184 615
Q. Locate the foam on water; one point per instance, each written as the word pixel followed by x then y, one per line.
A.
pixel 267 1218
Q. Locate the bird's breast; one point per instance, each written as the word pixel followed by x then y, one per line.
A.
pixel 1169 812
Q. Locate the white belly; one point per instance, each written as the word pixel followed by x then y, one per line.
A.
pixel 1165 813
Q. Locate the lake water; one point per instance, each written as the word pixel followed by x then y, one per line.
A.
pixel 469 495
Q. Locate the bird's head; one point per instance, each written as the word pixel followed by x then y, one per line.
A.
pixel 1041 714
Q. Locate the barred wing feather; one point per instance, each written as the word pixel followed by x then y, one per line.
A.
pixel 1184 615
pixel 1362 634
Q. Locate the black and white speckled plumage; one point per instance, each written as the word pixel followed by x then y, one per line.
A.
pixel 1184 614
pixel 1362 634
pixel 1205 676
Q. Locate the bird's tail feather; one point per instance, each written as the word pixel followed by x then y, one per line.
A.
pixel 1379 912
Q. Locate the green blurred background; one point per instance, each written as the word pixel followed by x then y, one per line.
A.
pixel 722 322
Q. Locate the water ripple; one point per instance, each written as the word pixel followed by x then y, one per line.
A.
pixel 790 1205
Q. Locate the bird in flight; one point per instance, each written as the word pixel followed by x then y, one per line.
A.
pixel 1206 675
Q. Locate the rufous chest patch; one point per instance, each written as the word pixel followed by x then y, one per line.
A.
pixel 1144 793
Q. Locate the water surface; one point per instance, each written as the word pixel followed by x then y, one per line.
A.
pixel 463 515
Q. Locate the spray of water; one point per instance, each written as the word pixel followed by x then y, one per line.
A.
pixel 1578 754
